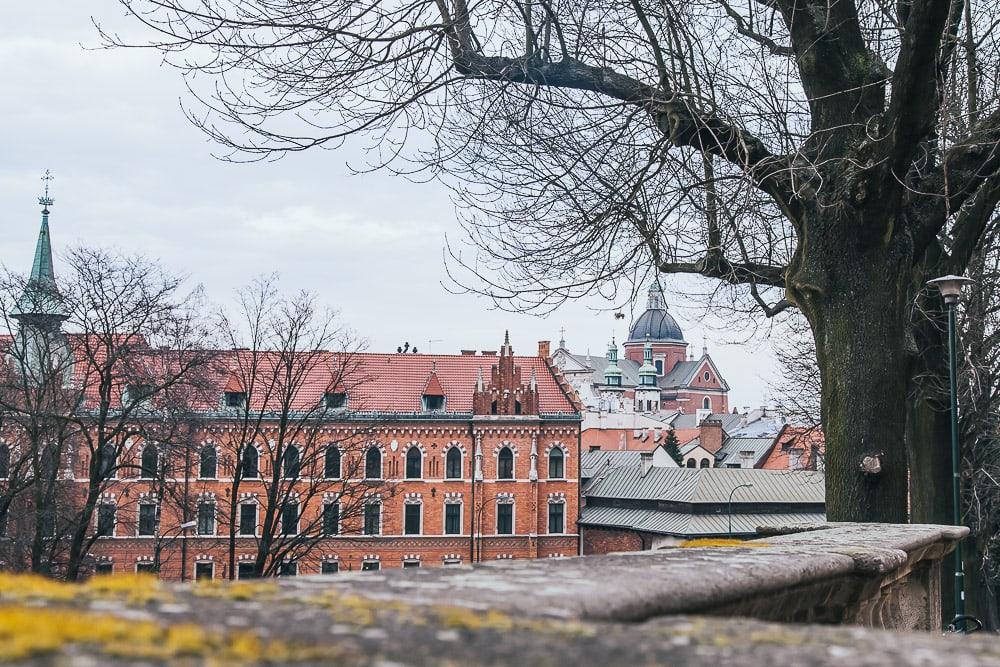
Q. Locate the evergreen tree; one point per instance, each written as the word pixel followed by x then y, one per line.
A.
pixel 673 447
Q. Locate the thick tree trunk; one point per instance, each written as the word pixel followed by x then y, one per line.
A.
pixel 852 290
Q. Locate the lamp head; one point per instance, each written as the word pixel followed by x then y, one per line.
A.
pixel 951 287
pixel 188 524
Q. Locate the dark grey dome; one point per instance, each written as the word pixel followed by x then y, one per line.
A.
pixel 656 325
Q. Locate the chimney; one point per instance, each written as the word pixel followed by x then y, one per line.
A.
pixel 468 353
pixel 489 353
pixel 711 435
pixel 543 348
pixel 646 459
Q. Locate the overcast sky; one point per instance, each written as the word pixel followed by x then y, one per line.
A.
pixel 132 173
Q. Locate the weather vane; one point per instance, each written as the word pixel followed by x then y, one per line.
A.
pixel 45 200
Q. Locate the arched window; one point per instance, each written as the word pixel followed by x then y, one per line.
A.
pixel 557 469
pixel 705 463
pixel 691 463
pixel 291 462
pixel 251 463
pixel 414 461
pixel 208 463
pixel 453 464
pixel 148 464
pixel 106 460
pixel 4 461
pixel 707 403
pixel 517 407
pixel 505 464
pixel 373 463
pixel 331 462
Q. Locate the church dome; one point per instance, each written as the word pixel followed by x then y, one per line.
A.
pixel 656 324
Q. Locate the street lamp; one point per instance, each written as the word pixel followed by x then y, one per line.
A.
pixel 735 489
pixel 951 289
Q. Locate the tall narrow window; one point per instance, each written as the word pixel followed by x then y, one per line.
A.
pixel 248 519
pixel 557 518
pixel 505 464
pixel 707 403
pixel 331 462
pixel 373 463
pixel 556 463
pixel 206 518
pixel 208 462
pixel 331 518
pixel 288 569
pixel 705 463
pixel 411 519
pixel 414 463
pixel 505 519
pixel 251 463
pixel 147 519
pixel 148 464
pixel 373 518
pixel 105 519
pixel 204 571
pixel 290 518
pixel 106 460
pixel 453 464
pixel 4 461
pixel 291 461
pixel 452 519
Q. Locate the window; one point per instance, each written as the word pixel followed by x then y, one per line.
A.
pixel 248 519
pixel 106 519
pixel 556 463
pixel 452 562
pixel 707 403
pixel 453 464
pixel 411 519
pixel 104 568
pixel 691 463
pixel 370 566
pixel 331 462
pixel 246 571
pixel 290 518
pixel 204 571
pixel 288 569
pixel 290 461
pixel 705 463
pixel 147 519
pixel 414 463
pixel 517 407
pixel 505 464
pixel 106 460
pixel 373 518
pixel 452 519
pixel 335 400
pixel 373 463
pixel 505 519
pixel 659 366
pixel 557 518
pixel 251 463
pixel 731 465
pixel 148 463
pixel 411 563
pixel 594 448
pixel 4 461
pixel 331 518
pixel 433 402
pixel 208 463
pixel 235 399
pixel 137 392
pixel 706 376
pixel 329 567
pixel 145 568
pixel 206 518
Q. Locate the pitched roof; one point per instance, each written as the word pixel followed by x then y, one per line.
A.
pixel 708 485
pixel 684 524
pixel 433 386
pixel 733 448
pixel 591 462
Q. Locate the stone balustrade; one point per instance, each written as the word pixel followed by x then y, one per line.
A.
pixel 797 596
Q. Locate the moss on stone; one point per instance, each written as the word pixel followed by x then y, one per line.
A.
pixel 717 542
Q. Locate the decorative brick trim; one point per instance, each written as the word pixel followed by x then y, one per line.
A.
pixel 505 556
pixel 204 558
pixel 452 444
pixel 453 497
pixel 330 557
pixel 371 557
pixel 505 443
pixel 246 558
pixel 505 497
pixel 457 557
pixel 249 497
pixel 412 557
pixel 208 496
pixel 410 445
pixel 557 497
pixel 144 559
pixel 412 499
pixel 557 444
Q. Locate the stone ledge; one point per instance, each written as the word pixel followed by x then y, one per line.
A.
pixel 618 609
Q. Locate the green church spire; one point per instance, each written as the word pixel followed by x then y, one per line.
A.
pixel 41 298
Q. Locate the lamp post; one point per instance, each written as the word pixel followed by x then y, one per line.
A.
pixel 735 489
pixel 951 289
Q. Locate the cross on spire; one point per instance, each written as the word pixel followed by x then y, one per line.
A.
pixel 45 200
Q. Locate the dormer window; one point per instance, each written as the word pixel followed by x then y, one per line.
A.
pixel 614 380
pixel 659 366
pixel 433 402
pixel 138 392
pixel 235 399
pixel 335 400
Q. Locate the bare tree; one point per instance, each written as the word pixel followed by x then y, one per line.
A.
pixel 809 146
pixel 293 372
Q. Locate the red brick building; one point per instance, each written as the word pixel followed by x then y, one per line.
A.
pixel 460 458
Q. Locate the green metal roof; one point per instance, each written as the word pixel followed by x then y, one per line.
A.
pixel 41 296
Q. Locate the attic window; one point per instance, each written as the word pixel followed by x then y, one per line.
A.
pixel 707 376
pixel 433 402
pixel 138 392
pixel 659 366
pixel 335 400
pixel 235 399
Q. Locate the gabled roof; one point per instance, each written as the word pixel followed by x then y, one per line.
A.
pixel 593 462
pixel 733 448
pixel 683 524
pixel 433 386
pixel 708 485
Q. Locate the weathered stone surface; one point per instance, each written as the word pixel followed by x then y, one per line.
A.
pixel 615 610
